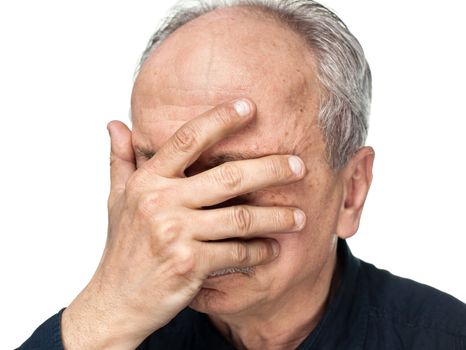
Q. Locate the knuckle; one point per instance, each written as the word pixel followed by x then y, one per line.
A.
pixel 276 169
pixel 225 114
pixel 147 203
pixel 264 252
pixel 168 231
pixel 229 176
pixel 284 218
pixel 184 139
pixel 261 253
pixel 267 253
pixel 177 256
pixel 242 218
pixel 184 262
pixel 241 253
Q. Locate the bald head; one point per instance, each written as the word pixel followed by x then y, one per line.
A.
pixel 225 54
pixel 338 61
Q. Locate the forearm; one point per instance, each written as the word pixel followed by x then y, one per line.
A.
pixel 85 325
pixel 60 332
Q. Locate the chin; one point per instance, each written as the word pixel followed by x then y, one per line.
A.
pixel 224 295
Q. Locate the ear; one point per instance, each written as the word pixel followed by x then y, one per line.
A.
pixel 357 179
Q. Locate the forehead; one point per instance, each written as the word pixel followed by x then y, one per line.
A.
pixel 220 56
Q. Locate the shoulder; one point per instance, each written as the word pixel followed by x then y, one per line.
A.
pixel 407 306
pixel 188 330
pixel 177 334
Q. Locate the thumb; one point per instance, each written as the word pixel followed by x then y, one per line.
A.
pixel 122 163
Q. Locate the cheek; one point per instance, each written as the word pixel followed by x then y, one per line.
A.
pixel 306 251
pixel 303 255
pixel 320 197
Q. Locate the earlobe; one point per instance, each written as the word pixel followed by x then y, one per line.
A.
pixel 356 178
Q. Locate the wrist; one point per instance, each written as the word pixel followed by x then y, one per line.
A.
pixel 86 327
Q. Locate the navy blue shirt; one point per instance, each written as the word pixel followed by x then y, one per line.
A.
pixel 371 309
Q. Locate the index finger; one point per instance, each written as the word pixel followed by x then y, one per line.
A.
pixel 186 145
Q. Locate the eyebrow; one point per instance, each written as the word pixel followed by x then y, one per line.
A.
pixel 212 161
pixel 144 152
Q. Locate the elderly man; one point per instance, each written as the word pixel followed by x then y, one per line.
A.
pixel 233 194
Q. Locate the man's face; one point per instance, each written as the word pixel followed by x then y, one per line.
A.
pixel 221 56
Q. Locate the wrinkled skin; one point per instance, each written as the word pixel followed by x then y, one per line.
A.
pixel 216 58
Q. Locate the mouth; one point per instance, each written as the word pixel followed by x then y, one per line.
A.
pixel 247 271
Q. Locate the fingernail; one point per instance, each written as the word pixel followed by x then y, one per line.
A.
pixel 275 248
pixel 242 107
pixel 296 165
pixel 299 218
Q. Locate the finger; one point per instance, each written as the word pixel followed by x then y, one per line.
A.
pixel 197 135
pixel 246 221
pixel 122 163
pixel 236 178
pixel 222 255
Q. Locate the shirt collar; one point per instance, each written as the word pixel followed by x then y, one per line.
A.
pixel 344 323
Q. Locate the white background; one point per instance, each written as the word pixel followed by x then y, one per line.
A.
pixel 66 70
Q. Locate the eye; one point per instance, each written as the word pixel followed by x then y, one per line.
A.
pixel 198 167
pixel 148 154
pixel 144 154
pixel 193 169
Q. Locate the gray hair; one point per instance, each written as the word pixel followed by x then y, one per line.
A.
pixel 343 71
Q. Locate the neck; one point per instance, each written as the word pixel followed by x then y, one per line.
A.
pixel 288 321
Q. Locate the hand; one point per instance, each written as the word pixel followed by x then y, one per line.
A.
pixel 161 246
